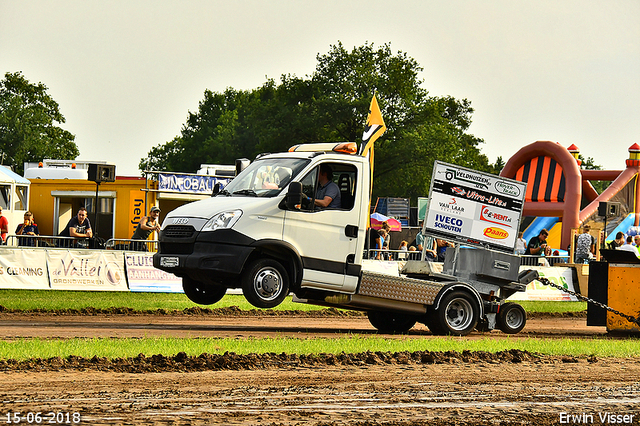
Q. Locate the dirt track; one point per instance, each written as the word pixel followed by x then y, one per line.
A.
pixel 365 389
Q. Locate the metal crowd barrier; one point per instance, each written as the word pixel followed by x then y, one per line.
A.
pixel 48 241
pixel 397 255
pixel 131 245
pixel 529 260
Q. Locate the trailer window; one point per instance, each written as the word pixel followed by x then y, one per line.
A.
pixel 22 195
pixel 5 196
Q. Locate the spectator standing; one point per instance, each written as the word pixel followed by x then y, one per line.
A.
pixel 28 227
pixel 146 226
pixel 442 248
pixel 629 246
pixel 4 227
pixel 585 246
pixel 387 238
pixel 373 243
pixel 404 248
pixel 618 242
pixel 538 245
pixel 521 244
pixel 78 226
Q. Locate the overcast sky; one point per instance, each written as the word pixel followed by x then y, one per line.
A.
pixel 126 73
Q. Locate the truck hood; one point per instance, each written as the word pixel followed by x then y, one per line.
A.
pixel 207 208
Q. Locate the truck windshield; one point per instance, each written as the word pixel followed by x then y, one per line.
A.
pixel 265 178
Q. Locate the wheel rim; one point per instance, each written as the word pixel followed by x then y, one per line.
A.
pixel 514 318
pixel 268 283
pixel 459 314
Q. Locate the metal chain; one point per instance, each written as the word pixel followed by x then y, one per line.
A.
pixel 629 318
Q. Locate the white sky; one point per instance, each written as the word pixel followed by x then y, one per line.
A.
pixel 126 73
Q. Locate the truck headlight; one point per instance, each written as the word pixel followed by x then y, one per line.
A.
pixel 223 220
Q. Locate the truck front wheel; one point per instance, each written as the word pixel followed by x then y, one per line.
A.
pixel 202 294
pixel 511 318
pixel 457 314
pixel 265 283
pixel 391 322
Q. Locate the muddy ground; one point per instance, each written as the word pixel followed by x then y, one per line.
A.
pixel 419 388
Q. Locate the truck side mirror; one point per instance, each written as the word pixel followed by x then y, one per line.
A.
pixel 294 196
pixel 241 164
pixel 216 189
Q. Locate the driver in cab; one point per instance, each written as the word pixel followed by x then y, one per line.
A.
pixel 328 193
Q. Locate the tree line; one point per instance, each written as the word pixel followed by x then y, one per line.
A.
pixel 331 105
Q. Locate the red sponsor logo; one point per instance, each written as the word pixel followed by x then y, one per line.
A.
pixel 490 216
pixel 495 233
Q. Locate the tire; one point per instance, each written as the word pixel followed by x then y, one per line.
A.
pixel 265 283
pixel 511 318
pixel 202 294
pixel 391 322
pixel 456 315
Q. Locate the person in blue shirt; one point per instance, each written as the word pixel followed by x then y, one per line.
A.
pixel 328 193
pixel 28 227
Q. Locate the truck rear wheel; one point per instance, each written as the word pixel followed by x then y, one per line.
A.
pixel 457 314
pixel 202 294
pixel 391 322
pixel 511 318
pixel 265 283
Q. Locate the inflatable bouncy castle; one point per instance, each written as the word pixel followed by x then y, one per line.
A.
pixel 558 190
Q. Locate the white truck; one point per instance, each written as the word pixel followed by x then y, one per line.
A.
pixel 264 234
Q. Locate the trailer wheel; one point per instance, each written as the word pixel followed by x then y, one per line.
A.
pixel 202 294
pixel 391 322
pixel 265 283
pixel 511 318
pixel 457 314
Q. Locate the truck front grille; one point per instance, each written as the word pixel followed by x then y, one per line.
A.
pixel 178 231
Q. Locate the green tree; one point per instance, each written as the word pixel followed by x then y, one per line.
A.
pixel 28 130
pixel 332 105
pixel 590 164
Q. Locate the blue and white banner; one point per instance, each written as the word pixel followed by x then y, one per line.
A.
pixel 194 184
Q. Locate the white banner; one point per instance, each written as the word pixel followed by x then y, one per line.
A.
pixel 86 270
pixel 538 291
pixel 142 276
pixel 23 268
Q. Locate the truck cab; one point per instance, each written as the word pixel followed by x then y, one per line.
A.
pixel 264 234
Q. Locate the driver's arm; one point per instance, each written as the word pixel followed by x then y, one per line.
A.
pixel 324 202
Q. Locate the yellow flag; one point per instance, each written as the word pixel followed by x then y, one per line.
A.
pixel 374 129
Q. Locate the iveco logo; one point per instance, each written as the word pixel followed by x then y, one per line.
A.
pixel 180 221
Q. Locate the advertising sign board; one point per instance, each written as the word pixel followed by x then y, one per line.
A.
pixel 473 207
pixel 23 268
pixel 142 276
pixel 194 184
pixel 86 270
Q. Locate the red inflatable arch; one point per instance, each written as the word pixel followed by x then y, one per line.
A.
pixel 554 183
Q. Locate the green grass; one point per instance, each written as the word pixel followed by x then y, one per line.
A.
pixel 115 348
pixel 50 300
pixel 543 306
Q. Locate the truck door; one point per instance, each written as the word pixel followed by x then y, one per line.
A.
pixel 327 237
